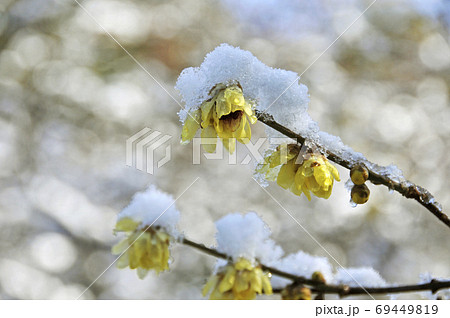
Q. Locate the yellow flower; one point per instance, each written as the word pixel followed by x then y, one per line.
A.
pixel 314 174
pixel 226 115
pixel 143 250
pixel 240 280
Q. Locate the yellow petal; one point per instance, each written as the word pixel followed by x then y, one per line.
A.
pixel 217 295
pixel 323 176
pixel 299 178
pixel 272 174
pixel 333 170
pixel 211 283
pixel 253 119
pixel 281 156
pixel 247 108
pixel 256 281
pixel 140 247
pixel 119 247
pixel 248 294
pixel 126 225
pixel 165 257
pixel 242 282
pixel 122 262
pixel 222 107
pixel 322 193
pixel 132 259
pixel 307 171
pixel 287 175
pixel 141 272
pixel 218 124
pixel 162 236
pixel 295 189
pixel 305 190
pixel 243 264
pixel 240 131
pixel 267 287
pixel 190 127
pixel 209 139
pixel 227 281
pixel 233 95
pixel 207 110
pixel 247 134
pixel 275 159
pixel 312 184
pixel 230 144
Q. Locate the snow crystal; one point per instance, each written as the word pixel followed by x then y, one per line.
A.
pixel 153 207
pixel 391 171
pixel 301 264
pixel 356 276
pixel 335 145
pixel 246 236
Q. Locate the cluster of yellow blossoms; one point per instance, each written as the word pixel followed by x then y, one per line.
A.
pixel 144 250
pixel 240 280
pixel 300 174
pixel 226 115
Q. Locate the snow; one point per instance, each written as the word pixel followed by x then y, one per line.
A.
pixel 246 235
pixel 356 276
pixel 261 83
pixel 275 91
pixel 426 278
pixel 301 264
pixel 153 207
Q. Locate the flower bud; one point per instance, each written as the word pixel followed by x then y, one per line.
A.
pixel 359 174
pixel 296 292
pixel 360 194
pixel 318 277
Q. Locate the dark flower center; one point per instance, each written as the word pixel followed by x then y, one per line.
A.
pixel 232 120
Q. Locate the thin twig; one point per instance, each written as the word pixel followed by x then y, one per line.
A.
pixel 319 287
pixel 407 188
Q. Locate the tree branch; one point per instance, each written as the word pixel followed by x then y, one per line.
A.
pixel 318 287
pixel 407 188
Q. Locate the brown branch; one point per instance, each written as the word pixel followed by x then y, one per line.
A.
pixel 345 290
pixel 319 287
pixel 407 188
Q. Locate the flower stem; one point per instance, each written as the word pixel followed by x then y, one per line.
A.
pixel 407 188
pixel 319 287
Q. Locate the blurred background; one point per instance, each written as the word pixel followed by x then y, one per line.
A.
pixel 70 97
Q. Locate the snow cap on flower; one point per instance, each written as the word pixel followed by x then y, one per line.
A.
pixel 247 236
pixel 259 82
pixel 356 276
pixel 153 207
pixel 301 264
